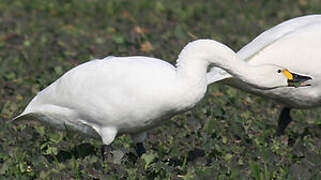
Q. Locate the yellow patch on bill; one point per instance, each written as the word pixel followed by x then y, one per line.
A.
pixel 287 74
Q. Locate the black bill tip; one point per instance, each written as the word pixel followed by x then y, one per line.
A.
pixel 298 80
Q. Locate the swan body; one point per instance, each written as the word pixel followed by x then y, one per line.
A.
pixel 111 99
pixel 294 44
pixel 130 95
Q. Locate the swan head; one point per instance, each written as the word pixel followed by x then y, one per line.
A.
pixel 273 76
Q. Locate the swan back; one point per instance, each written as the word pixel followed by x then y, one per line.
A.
pixel 276 33
pixel 294 44
pixel 298 51
pixel 131 94
pixel 286 45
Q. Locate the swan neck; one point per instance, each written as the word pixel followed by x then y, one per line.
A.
pixel 234 66
pixel 197 55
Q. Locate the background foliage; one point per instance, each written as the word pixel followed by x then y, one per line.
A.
pixel 229 135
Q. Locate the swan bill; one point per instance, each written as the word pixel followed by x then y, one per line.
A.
pixel 287 74
pixel 296 80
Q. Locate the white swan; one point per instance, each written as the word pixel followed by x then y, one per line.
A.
pixel 294 44
pixel 117 95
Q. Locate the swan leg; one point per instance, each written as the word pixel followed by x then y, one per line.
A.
pixel 284 120
pixel 139 139
pixel 105 151
pixel 140 149
pixel 108 135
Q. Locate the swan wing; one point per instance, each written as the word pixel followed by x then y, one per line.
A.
pixel 298 51
pixel 276 33
pixel 98 91
pixel 217 74
pixel 34 119
pixel 290 40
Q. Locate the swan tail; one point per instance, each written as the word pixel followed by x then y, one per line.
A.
pixel 33 118
pixel 216 75
pixel 22 117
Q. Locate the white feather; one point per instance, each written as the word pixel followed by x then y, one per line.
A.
pixel 118 95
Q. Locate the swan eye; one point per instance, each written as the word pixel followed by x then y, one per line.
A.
pixel 279 71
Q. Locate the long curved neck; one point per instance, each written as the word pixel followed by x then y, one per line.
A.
pixel 197 55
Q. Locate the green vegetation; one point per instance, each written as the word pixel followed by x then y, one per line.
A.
pixel 229 135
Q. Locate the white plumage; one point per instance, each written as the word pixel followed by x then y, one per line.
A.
pixel 117 95
pixel 294 44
